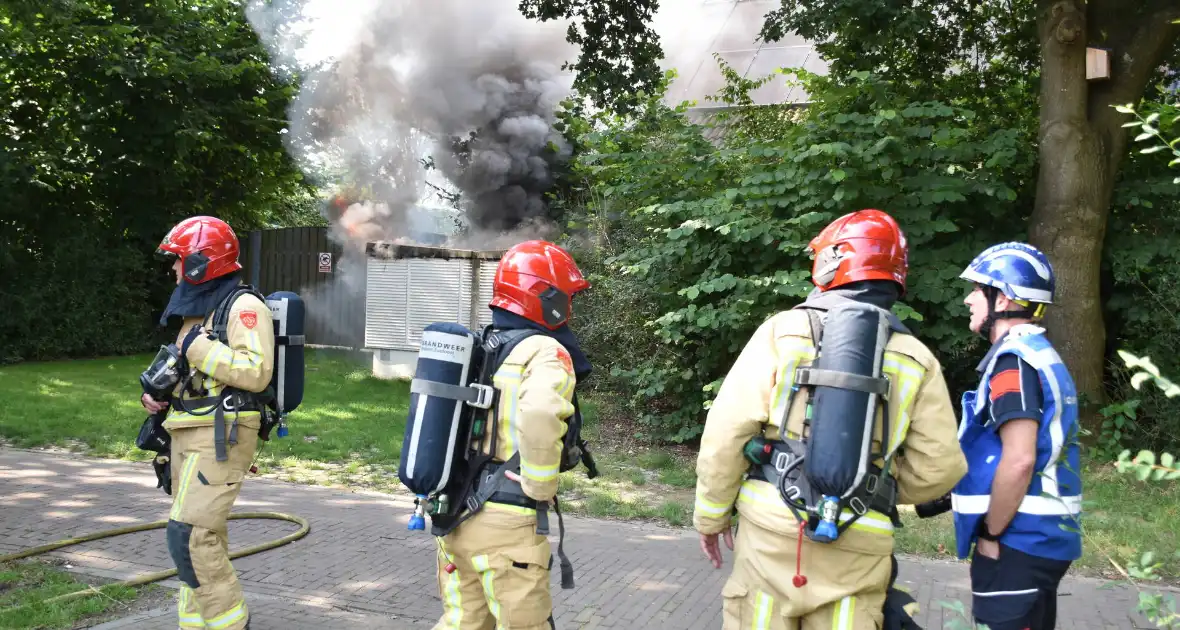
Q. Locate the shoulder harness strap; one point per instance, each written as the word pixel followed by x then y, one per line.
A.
pixel 815 322
pixel 221 314
pixel 503 342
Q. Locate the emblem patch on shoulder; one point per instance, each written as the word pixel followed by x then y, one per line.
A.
pixel 566 361
pixel 249 319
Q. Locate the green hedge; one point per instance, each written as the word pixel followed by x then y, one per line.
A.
pixel 83 296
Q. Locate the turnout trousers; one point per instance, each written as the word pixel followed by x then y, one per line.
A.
pixel 501 572
pixel 845 590
pixel 204 491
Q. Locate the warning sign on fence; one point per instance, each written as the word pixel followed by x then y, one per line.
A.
pixel 325 262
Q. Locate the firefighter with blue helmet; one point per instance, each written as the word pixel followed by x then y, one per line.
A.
pixel 1021 500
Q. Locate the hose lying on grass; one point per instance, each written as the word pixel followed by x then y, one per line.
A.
pixel 161 575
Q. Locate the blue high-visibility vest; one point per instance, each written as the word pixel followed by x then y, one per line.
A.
pixel 1048 521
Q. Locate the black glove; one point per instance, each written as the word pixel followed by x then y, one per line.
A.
pixel 163 466
pixel 935 507
pixel 896 615
pixel 588 460
pixel 192 334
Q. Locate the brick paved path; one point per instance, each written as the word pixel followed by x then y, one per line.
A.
pixel 360 568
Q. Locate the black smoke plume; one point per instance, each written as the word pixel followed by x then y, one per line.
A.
pixel 470 84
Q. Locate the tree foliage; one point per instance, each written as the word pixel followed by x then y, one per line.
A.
pixel 695 244
pixel 118 119
pixel 619 50
pixel 1113 253
pixel 720 235
pixel 921 43
pixel 968 52
pixel 1159 608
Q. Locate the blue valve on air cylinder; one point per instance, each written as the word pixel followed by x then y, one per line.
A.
pixel 282 427
pixel 418 518
pixel 826 531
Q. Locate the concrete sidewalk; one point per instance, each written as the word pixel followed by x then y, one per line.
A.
pixel 360 568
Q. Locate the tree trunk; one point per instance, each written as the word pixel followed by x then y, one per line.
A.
pixel 1074 186
pixel 1082 145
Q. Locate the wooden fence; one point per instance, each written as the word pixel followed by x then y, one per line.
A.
pixel 303 260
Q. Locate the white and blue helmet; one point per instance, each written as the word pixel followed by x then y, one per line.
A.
pixel 1020 271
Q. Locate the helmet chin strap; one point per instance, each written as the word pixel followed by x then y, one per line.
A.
pixel 989 322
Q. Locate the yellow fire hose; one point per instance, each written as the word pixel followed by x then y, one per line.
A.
pixel 162 575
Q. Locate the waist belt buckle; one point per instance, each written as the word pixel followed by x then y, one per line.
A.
pixel 858 506
pixel 229 403
pixel 871 484
pixel 484 395
pixel 781 461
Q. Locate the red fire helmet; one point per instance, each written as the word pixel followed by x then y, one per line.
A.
pixel 863 245
pixel 537 280
pixel 206 246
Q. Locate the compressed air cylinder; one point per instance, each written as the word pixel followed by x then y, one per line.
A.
pixel 433 441
pixel 288 311
pixel 842 419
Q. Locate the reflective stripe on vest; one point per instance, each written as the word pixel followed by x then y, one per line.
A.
pixel 1047 520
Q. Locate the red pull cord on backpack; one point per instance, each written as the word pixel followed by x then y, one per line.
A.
pixel 799 580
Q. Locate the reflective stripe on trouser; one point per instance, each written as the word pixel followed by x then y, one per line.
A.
pixel 845 590
pixel 204 493
pixel 190 615
pixel 501 576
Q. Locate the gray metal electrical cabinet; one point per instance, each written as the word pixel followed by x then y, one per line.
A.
pixel 411 286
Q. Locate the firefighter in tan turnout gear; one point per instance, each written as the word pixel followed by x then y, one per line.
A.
pixel 814 541
pixel 213 414
pixel 494 560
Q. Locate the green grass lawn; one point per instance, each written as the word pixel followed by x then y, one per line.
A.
pixel 25 586
pixel 349 428
pixel 1122 519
